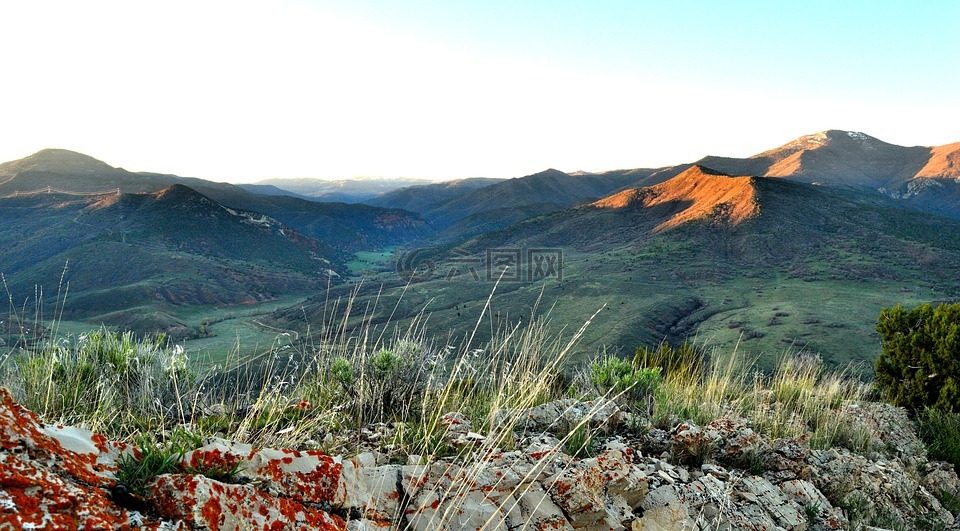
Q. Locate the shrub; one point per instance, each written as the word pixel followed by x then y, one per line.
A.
pixel 610 374
pixel 342 371
pixel 385 363
pixel 920 363
pixel 102 380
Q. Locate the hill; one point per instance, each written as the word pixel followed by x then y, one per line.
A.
pixel 350 229
pixel 133 255
pixel 470 207
pixel 425 198
pixel 754 264
pixel 919 178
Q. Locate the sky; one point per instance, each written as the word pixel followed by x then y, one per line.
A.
pixel 242 91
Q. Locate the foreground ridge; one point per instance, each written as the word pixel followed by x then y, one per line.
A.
pixel 719 475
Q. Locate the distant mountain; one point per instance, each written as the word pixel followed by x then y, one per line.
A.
pixel 734 257
pixel 269 189
pixel 466 208
pixel 347 228
pixel 160 249
pixel 920 178
pixel 719 213
pixel 425 198
pixel 58 161
pixel 357 190
pixel 469 207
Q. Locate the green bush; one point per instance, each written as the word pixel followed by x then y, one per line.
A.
pixel 102 380
pixel 342 371
pixel 920 363
pixel 385 362
pixel 610 374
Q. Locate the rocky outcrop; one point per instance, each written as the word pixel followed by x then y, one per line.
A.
pixel 722 475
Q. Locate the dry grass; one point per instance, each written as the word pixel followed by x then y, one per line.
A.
pixel 350 375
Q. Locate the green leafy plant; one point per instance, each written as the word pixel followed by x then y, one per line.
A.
pixel 610 374
pixel 385 363
pixel 920 363
pixel 342 371
pixel 135 470
pixel 812 510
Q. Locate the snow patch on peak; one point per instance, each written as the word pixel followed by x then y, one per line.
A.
pixel 856 135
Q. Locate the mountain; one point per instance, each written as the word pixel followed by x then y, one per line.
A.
pixel 919 178
pixel 469 207
pixel 424 198
pixel 466 208
pixel 747 264
pixel 269 189
pixel 697 193
pixel 58 161
pixel 143 254
pixel 338 225
pixel 944 163
pixel 549 187
pixel 357 190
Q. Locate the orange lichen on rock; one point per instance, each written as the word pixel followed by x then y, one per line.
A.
pixel 209 504
pixel 46 486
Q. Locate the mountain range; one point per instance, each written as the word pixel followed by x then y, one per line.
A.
pixel 146 244
pixel 798 246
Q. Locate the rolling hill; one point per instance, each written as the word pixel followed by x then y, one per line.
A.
pixel 919 178
pixel 337 224
pixel 797 247
pixel 425 198
pixel 758 265
pixel 130 256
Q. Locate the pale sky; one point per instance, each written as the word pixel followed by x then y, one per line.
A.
pixel 242 91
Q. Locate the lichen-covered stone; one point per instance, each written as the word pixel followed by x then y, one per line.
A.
pixel 208 504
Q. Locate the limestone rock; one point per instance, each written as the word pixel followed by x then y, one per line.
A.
pixel 207 504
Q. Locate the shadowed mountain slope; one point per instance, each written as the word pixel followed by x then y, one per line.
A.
pixel 346 227
pixel 173 247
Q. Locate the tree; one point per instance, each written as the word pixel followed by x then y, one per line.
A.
pixel 920 363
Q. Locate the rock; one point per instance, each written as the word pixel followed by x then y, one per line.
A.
pixel 715 471
pixel 561 416
pixel 732 441
pixel 456 424
pixel 787 513
pixel 537 510
pixel 207 504
pixel 63 477
pixel 670 517
pixel 58 477
pixel 690 444
pixel 889 427
pixel 940 478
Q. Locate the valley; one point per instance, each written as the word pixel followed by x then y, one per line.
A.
pixel 795 249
